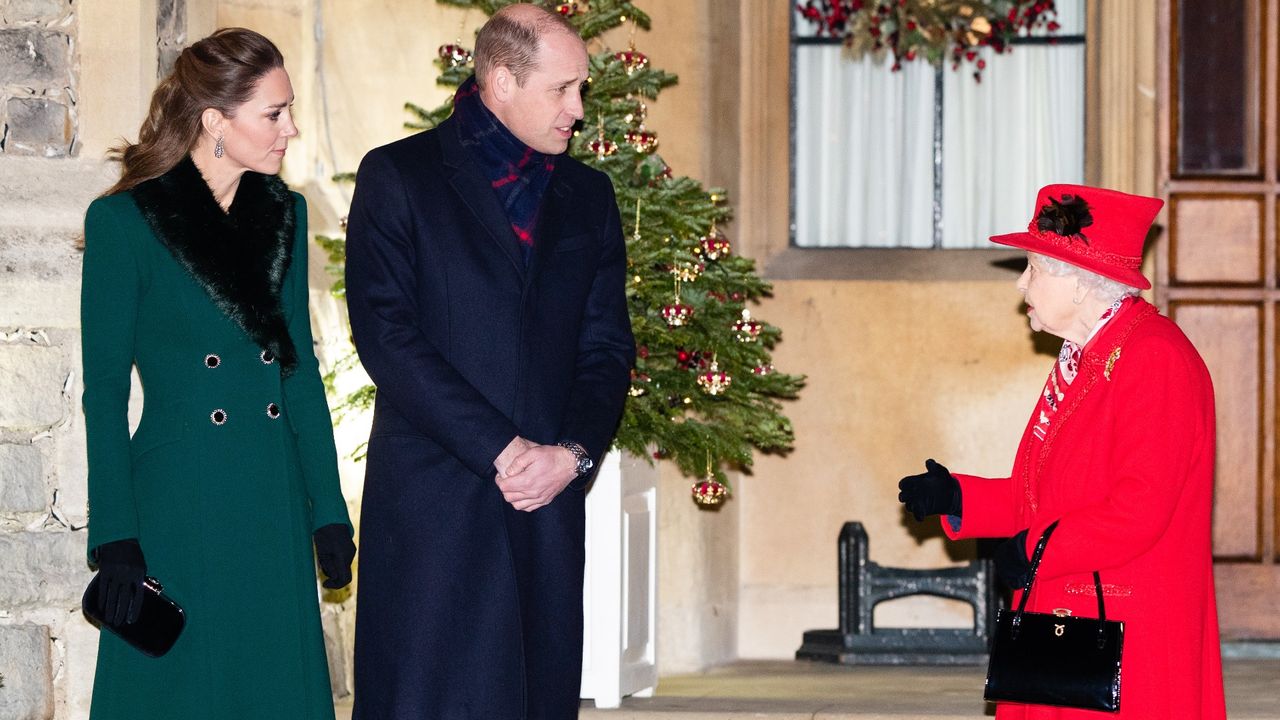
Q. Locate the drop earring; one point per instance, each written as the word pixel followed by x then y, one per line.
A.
pixel 218 149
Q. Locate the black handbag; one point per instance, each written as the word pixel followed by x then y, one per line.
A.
pixel 1055 658
pixel 159 623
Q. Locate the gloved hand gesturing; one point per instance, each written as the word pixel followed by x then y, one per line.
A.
pixel 121 571
pixel 935 492
pixel 334 552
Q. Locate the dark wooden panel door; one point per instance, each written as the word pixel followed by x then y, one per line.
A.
pixel 1217 270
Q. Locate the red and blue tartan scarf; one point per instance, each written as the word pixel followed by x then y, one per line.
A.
pixel 518 173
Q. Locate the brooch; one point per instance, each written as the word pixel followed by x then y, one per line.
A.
pixel 1111 363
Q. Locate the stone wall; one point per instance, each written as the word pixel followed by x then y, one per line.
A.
pixel 37 80
pixel 47 648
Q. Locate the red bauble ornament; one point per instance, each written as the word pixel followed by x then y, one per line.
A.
pixel 642 140
pixel 569 9
pixel 676 314
pixel 713 381
pixel 632 60
pixel 746 329
pixel 602 147
pixel 455 55
pixel 714 245
pixel 709 492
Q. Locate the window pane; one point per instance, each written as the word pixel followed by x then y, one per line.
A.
pixel 1218 56
pixel 864 165
pixel 1021 128
pixel 863 151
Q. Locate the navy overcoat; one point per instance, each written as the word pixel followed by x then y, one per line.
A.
pixel 467 608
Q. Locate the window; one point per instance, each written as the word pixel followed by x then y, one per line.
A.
pixel 928 157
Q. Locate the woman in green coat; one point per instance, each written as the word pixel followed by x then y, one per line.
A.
pixel 195 271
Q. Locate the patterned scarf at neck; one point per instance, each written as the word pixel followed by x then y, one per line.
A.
pixel 1064 373
pixel 518 173
pixel 1069 355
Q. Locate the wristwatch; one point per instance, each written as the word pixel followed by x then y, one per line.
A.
pixel 580 454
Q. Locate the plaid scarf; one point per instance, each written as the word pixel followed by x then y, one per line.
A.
pixel 518 173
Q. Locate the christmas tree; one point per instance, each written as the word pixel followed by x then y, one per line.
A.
pixel 703 393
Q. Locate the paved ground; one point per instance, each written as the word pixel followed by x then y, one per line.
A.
pixel 784 690
pixel 781 690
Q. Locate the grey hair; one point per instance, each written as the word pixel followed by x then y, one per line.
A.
pixel 1104 288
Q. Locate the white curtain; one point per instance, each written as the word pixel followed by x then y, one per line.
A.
pixel 864 143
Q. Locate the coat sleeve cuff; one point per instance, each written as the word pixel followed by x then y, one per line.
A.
pixel 988 509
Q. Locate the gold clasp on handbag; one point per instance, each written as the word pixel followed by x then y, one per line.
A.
pixel 1062 612
pixel 1059 629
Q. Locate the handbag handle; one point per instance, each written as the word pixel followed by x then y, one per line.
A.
pixel 1036 557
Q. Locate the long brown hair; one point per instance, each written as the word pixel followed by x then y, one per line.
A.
pixel 217 72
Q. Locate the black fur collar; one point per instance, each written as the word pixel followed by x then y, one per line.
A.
pixel 240 256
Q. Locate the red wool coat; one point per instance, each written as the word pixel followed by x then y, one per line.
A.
pixel 1127 468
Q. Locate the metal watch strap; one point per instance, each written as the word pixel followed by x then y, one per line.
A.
pixel 580 454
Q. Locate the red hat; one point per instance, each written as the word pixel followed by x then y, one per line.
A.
pixel 1097 229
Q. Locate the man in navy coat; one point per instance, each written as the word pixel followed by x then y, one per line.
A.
pixel 485 281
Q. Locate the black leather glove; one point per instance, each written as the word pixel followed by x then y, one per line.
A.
pixel 334 552
pixel 935 492
pixel 121 571
pixel 1012 565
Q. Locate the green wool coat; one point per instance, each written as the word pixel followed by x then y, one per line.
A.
pixel 232 466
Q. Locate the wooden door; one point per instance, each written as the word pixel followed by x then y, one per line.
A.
pixel 1217 270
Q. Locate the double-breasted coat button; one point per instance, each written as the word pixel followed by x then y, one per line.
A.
pixel 219 416
pixel 273 411
pixel 212 361
pixel 267 357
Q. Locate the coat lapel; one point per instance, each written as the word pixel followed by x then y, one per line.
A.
pixel 478 194
pixel 238 257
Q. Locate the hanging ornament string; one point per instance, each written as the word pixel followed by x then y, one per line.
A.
pixel 602 147
pixel 632 60
pixel 715 381
pixel 709 491
pixel 677 313
pixel 455 54
pixel 714 245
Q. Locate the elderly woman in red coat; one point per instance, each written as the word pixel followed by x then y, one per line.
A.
pixel 1119 450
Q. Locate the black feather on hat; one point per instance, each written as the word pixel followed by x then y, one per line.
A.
pixel 1067 217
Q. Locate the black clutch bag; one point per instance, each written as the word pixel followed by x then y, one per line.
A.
pixel 159 623
pixel 1055 658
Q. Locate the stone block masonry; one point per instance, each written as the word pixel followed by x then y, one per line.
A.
pixel 27 672
pixel 37 78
